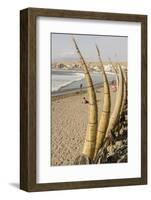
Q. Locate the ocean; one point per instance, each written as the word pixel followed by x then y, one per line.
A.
pixel 63 81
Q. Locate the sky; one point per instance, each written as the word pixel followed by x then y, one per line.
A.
pixel 113 47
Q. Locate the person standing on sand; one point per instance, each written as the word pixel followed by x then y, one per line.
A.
pixel 113 86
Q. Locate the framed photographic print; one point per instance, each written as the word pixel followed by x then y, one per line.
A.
pixel 83 99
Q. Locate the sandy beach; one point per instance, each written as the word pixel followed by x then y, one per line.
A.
pixel 69 123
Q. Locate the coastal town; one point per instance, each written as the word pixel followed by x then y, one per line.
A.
pixel 93 66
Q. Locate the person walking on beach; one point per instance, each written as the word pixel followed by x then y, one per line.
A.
pixel 81 86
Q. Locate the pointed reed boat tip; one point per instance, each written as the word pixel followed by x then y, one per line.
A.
pixel 105 114
pixel 90 138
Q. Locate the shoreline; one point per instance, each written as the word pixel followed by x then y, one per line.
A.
pixel 71 92
pixel 74 85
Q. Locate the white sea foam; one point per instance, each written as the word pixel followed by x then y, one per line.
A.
pixel 64 80
pixel 61 79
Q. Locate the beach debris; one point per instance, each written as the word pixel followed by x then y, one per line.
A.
pixel 82 160
pixel 105 114
pixel 90 138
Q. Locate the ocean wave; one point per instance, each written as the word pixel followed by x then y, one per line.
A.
pixel 61 81
pixel 71 80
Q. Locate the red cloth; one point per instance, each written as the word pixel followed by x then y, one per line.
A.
pixel 113 88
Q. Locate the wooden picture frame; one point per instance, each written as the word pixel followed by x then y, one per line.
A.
pixel 28 98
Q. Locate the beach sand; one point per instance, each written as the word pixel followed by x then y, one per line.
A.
pixel 69 123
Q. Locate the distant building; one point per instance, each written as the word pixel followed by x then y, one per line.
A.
pixel 92 66
pixel 108 68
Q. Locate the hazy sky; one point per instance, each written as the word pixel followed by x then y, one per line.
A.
pixel 63 48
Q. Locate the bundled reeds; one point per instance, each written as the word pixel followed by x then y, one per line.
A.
pixel 97 135
pixel 114 118
pixel 118 103
pixel 124 91
pixel 90 138
pixel 105 114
